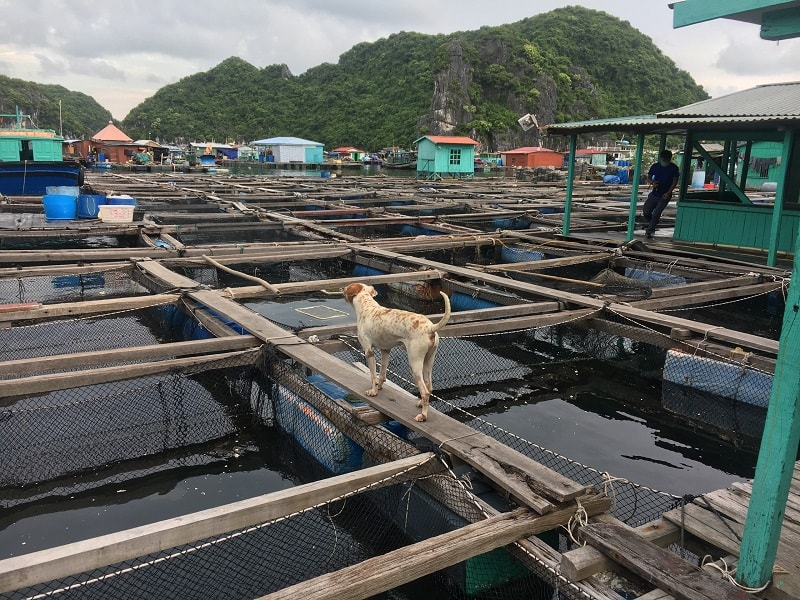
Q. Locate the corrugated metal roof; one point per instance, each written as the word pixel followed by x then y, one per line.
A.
pixel 447 139
pixel 774 99
pixel 759 107
pixel 654 124
pixel 527 150
pixel 285 141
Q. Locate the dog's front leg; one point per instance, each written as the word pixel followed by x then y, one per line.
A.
pixel 369 354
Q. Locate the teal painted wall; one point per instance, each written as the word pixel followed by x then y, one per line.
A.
pixel 732 224
pixel 314 154
pixel 435 158
pixel 43 149
pixel 761 151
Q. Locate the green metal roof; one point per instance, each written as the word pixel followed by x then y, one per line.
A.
pixel 761 107
pixel 774 99
pixel 779 19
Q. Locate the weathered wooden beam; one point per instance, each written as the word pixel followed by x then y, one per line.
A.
pixel 90 307
pixel 78 557
pixel 662 568
pixel 300 287
pixel 580 563
pixel 64 362
pixel 39 384
pixel 406 564
pixel 694 297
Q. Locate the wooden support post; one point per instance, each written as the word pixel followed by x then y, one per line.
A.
pixel 573 143
pixel 637 172
pixel 777 209
pixel 778 451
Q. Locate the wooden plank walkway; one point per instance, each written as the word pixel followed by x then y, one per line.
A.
pixel 529 482
pixel 711 526
pixel 717 519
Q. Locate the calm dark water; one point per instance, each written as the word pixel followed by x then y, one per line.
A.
pixel 605 415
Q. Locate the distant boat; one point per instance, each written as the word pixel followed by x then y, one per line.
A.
pixel 398 158
pixel 31 159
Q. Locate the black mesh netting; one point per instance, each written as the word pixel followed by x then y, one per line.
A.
pixel 71 287
pixel 265 557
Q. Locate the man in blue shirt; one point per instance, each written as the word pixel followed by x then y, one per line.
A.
pixel 663 177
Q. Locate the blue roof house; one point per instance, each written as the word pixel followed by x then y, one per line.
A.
pixel 439 155
pixel 290 150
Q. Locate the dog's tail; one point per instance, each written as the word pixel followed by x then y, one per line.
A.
pixel 446 316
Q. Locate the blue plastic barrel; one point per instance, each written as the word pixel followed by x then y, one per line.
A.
pixel 123 200
pixel 59 206
pixel 62 190
pixel 89 205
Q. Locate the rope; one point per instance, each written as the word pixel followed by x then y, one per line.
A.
pixel 262 282
pixel 728 573
pixel 579 519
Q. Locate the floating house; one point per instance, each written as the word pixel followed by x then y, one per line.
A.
pixel 218 151
pixel 441 155
pixel 532 157
pixel 110 144
pixel 289 150
pixel 741 121
pixel 347 153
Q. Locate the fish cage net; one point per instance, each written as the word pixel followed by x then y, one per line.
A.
pixel 105 282
pixel 263 557
pixel 66 441
pixel 57 240
pixel 525 364
pixel 241 233
pixel 280 271
pixel 124 328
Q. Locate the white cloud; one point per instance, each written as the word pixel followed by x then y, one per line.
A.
pixel 121 53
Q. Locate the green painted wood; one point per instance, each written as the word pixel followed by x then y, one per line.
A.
pixel 781 24
pixel 731 224
pixel 778 451
pixel 788 144
pixel 690 12
pixel 637 175
pixel 573 145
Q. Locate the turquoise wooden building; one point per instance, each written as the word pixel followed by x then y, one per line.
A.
pixel 441 156
pixel 21 143
pixel 763 117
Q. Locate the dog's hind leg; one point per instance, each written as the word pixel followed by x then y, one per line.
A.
pixel 424 392
pixel 384 366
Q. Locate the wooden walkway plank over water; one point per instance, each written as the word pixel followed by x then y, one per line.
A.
pixel 382 573
pixel 717 520
pixel 64 362
pixel 78 557
pixel 89 307
pixel 665 569
pixel 529 481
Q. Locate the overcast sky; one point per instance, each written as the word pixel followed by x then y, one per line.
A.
pixel 120 53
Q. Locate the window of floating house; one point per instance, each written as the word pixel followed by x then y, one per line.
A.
pixel 455 156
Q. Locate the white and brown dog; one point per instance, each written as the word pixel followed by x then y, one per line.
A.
pixel 385 328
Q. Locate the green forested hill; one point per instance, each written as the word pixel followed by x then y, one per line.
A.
pixel 568 64
pixel 81 115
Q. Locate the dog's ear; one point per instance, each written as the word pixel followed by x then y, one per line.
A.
pixel 351 291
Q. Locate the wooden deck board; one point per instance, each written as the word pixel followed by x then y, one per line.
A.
pixel 527 480
pixel 658 566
